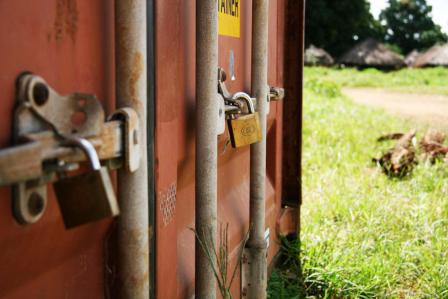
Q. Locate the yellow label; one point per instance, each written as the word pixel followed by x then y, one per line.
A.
pixel 229 17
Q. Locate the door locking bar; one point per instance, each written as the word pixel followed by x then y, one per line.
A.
pixel 43 120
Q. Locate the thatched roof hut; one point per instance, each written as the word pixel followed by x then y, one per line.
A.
pixel 436 56
pixel 372 53
pixel 317 56
pixel 411 58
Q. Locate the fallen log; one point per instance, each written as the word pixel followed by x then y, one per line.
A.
pixel 391 136
pixel 432 146
pixel 401 159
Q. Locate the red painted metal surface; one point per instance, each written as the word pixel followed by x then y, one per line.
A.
pixel 175 61
pixel 70 44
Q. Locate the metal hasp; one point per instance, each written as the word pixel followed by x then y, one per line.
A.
pixel 276 94
pixel 132 154
pixel 131 91
pixel 73 114
pixel 43 122
pixel 255 287
pixel 206 174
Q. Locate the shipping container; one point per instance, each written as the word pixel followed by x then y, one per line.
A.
pixel 72 44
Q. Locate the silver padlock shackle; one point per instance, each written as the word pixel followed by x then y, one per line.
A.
pixel 87 148
pixel 244 96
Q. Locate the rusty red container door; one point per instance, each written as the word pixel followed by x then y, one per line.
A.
pixel 70 43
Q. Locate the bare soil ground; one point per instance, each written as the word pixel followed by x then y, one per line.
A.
pixel 428 109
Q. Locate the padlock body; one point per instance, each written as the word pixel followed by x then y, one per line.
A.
pixel 245 130
pixel 87 197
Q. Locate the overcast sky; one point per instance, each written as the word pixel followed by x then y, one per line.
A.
pixel 439 11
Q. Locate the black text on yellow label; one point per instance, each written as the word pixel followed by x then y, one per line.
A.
pixel 229 12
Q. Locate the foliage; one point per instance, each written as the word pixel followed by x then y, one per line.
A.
pixel 286 281
pixel 219 259
pixel 394 48
pixel 404 25
pixel 363 235
pixel 337 26
pixel 430 80
pixel 410 26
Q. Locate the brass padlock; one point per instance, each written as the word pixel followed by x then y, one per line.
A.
pixel 89 196
pixel 244 129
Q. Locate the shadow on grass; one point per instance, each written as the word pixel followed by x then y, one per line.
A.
pixel 286 280
pixel 298 276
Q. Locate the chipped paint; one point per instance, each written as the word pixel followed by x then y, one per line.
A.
pixel 135 76
pixel 66 21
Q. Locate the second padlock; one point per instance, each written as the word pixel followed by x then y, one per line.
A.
pixel 88 196
pixel 244 129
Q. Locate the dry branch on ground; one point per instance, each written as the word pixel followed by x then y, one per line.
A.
pixel 399 160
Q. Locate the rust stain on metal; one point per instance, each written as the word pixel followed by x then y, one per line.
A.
pixel 140 280
pixel 66 21
pixel 135 236
pixel 135 74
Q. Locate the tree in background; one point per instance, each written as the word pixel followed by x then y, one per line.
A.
pixel 409 25
pixel 337 26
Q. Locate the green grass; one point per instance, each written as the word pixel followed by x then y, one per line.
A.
pixel 363 235
pixel 431 80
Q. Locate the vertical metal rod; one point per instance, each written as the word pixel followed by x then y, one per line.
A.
pixel 256 243
pixel 131 91
pixel 206 140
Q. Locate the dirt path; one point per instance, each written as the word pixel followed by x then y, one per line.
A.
pixel 426 109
